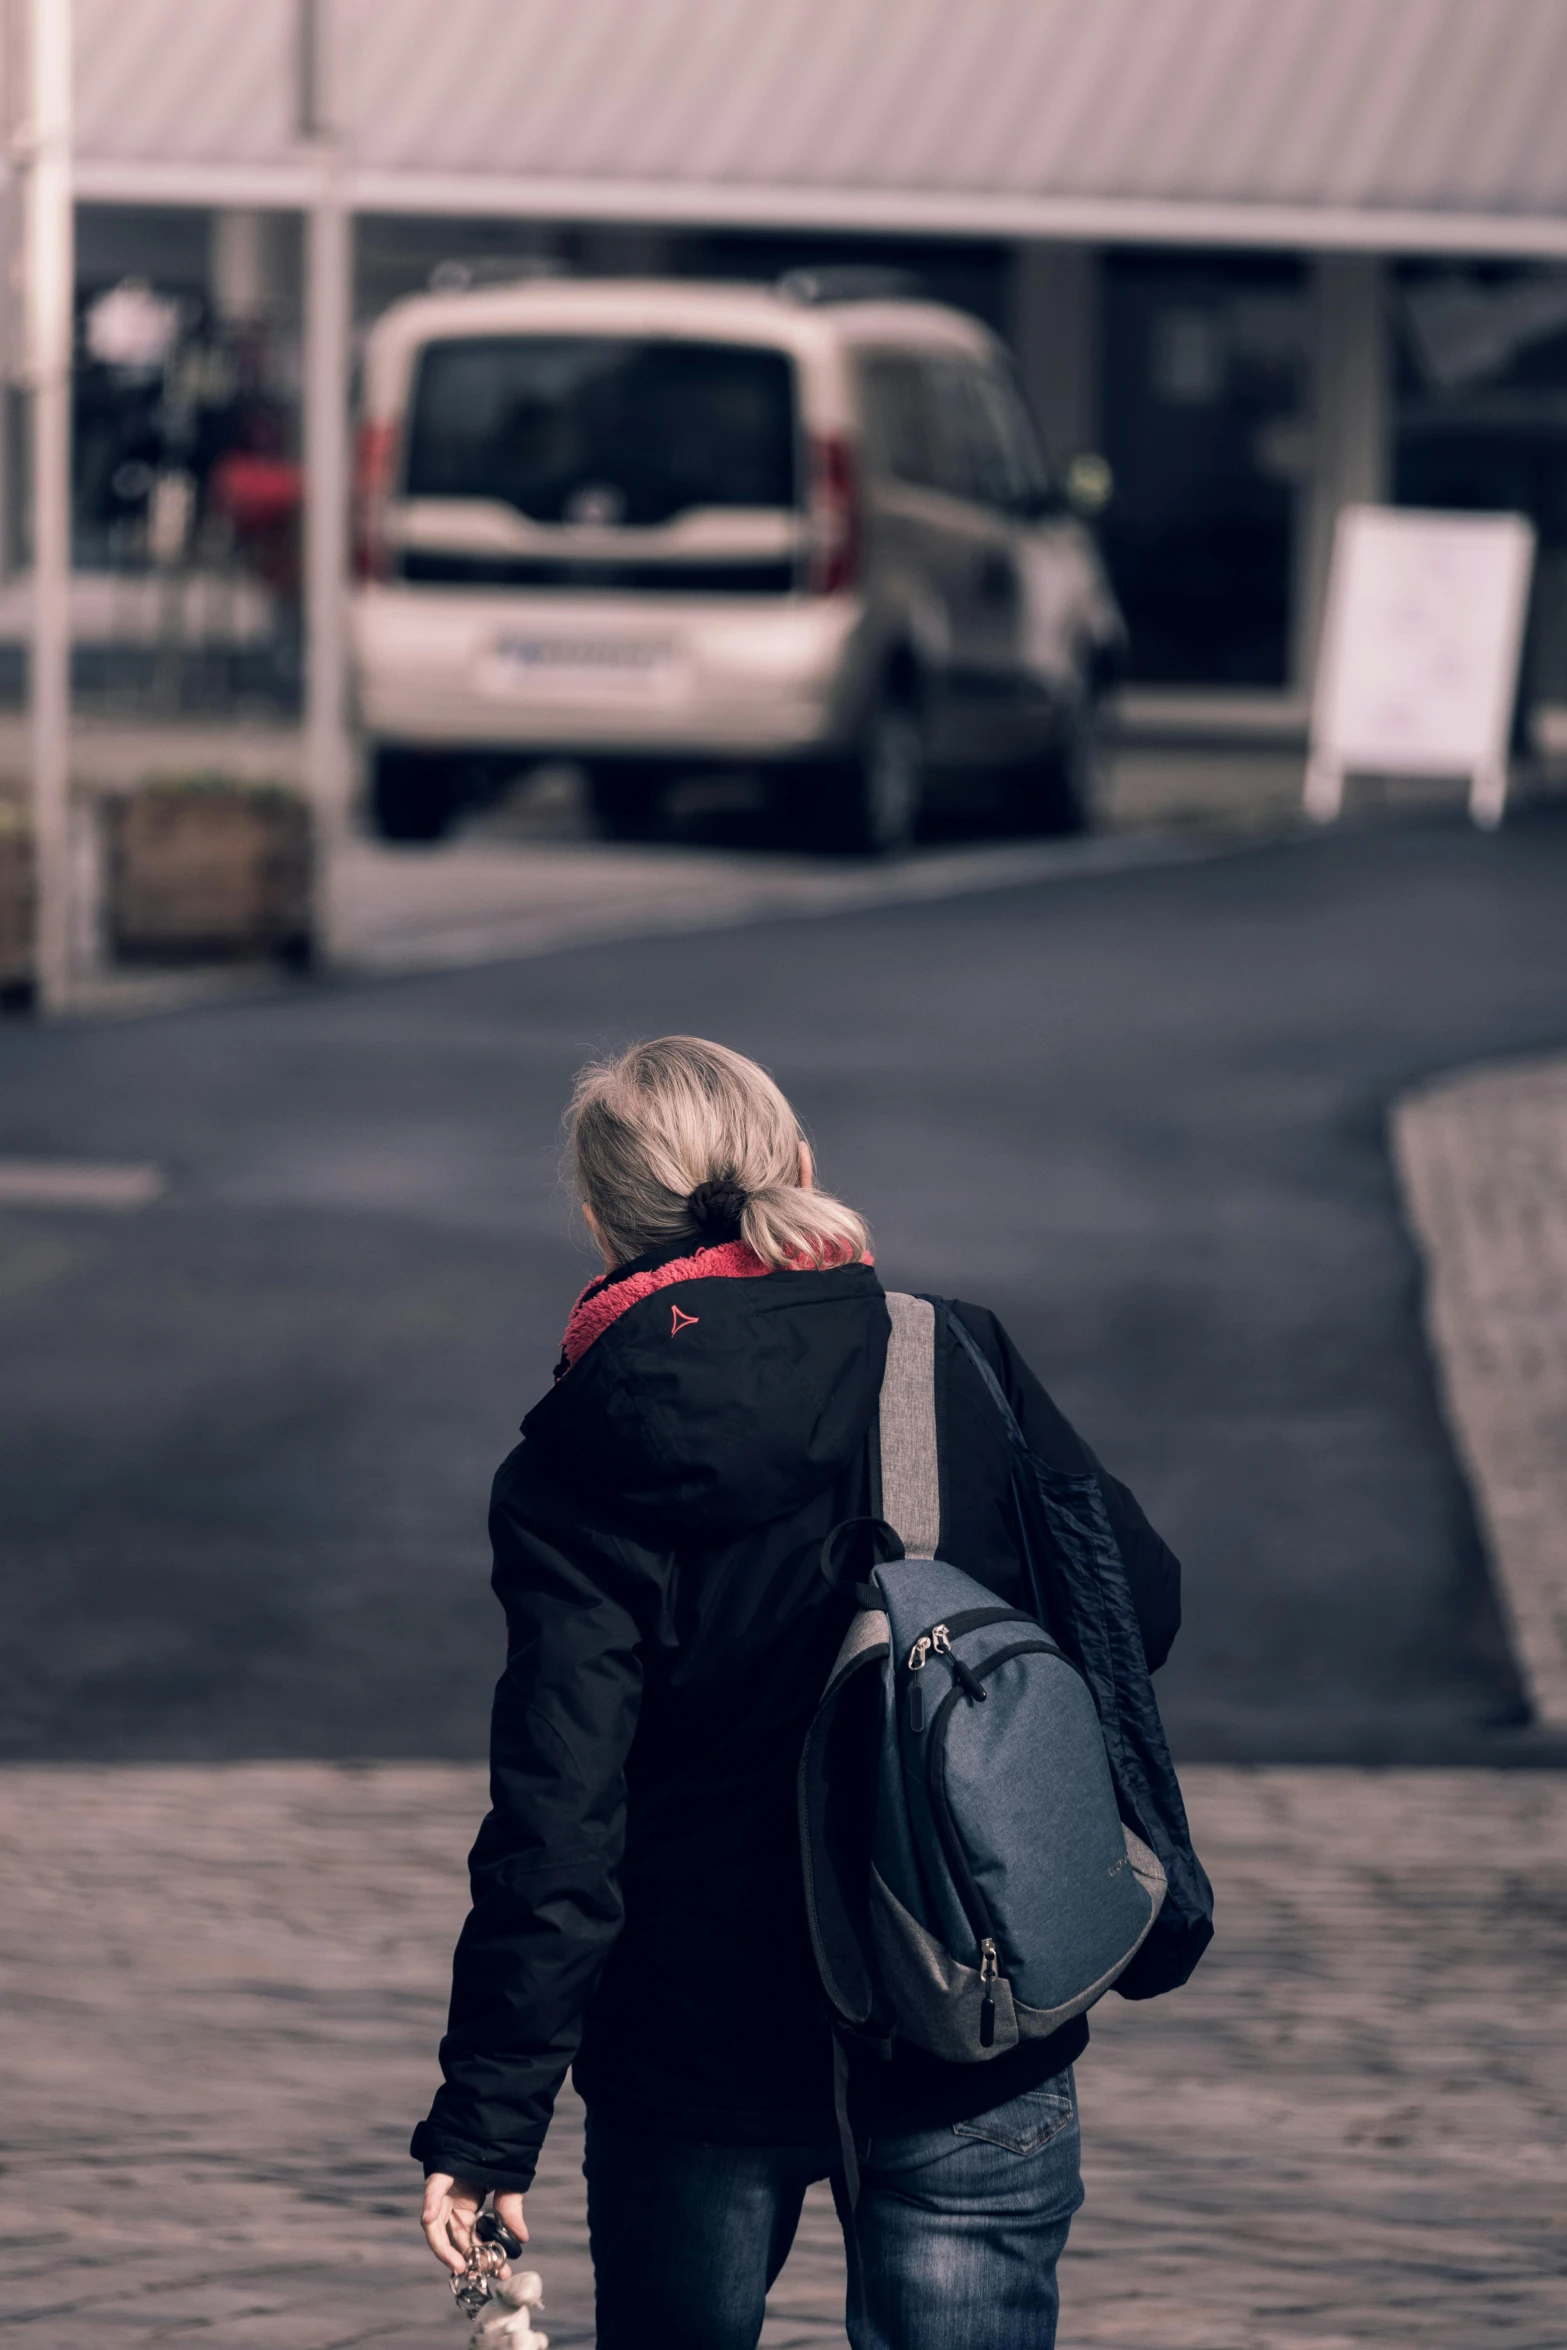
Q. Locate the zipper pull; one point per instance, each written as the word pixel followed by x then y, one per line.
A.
pixel 989 1968
pixel 969 1682
pixel 917 1656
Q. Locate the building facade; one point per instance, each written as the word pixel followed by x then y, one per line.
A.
pixel 1265 256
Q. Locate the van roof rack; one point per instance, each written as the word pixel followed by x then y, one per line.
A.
pixel 460 275
pixel 850 281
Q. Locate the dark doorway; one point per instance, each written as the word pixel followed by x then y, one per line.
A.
pixel 1205 361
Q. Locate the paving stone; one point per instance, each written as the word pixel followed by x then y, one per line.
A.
pixel 1483 1160
pixel 221 1987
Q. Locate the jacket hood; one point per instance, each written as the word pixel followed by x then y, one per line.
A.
pixel 720 1395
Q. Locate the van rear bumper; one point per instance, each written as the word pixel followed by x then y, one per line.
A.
pixel 600 674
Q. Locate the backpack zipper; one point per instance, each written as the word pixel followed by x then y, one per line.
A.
pixel 917 1655
pixel 989 1968
pixel 938 1640
pixel 964 1675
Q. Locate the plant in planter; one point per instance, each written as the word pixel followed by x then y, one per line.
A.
pixel 203 868
pixel 17 904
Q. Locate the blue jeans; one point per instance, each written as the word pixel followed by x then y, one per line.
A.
pixel 952 2246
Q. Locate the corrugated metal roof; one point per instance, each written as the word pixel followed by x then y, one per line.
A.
pixel 957 110
pixel 173 81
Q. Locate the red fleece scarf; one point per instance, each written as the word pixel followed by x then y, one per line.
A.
pixel 606 1299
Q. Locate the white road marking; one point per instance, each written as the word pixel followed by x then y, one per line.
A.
pixel 99 1186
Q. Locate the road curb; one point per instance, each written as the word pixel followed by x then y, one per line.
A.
pixel 600 896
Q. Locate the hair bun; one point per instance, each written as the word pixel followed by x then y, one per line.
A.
pixel 717 1207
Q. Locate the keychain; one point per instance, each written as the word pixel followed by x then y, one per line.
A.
pixel 499 2305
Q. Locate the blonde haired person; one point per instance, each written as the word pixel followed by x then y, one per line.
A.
pixel 638 1913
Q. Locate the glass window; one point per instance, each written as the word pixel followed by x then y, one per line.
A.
pixel 965 451
pixel 595 429
pixel 1009 469
pixel 898 412
pixel 953 425
pixel 1480 419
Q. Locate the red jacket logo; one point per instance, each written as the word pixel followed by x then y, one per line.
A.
pixel 681 1321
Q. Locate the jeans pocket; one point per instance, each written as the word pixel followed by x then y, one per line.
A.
pixel 1026 2123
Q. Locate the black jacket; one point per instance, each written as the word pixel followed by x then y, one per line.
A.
pixel 637 1906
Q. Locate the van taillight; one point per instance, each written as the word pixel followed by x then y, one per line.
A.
pixel 375 453
pixel 835 517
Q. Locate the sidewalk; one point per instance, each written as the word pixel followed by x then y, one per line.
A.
pixel 223 1989
pixel 529 876
pixel 1483 1159
pixel 477 901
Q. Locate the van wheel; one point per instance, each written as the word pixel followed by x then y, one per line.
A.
pixel 410 795
pixel 628 802
pixel 1053 794
pixel 870 806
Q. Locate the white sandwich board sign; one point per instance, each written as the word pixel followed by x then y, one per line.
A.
pixel 1420 647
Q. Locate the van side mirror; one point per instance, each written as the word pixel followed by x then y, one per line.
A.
pixel 1089 484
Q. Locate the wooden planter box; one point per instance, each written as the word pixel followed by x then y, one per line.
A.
pixel 16 910
pixel 208 872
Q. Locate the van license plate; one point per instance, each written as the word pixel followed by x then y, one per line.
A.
pixel 571 665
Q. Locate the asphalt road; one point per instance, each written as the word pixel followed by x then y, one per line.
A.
pixel 246 1434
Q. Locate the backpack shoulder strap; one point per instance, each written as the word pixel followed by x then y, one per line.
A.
pixel 910 1467
pixel 991 1384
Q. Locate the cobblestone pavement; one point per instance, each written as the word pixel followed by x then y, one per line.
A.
pixel 1483 1158
pixel 222 1988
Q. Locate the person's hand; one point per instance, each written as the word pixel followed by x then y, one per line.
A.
pixel 450 2208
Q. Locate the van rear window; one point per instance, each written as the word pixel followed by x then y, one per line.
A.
pixel 594 429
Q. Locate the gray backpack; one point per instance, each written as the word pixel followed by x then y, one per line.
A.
pixel 988 1890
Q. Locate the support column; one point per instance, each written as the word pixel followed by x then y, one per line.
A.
pixel 246 271
pixel 1351 449
pixel 13 317
pixel 50 275
pixel 328 750
pixel 1055 333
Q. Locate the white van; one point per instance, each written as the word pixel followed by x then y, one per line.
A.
pixel 655 526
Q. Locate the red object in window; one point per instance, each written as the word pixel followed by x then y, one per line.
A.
pixel 375 456
pixel 835 516
pixel 256 493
